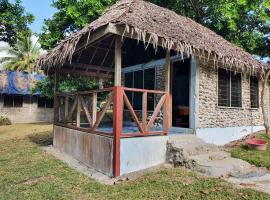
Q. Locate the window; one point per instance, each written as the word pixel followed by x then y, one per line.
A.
pixel 229 89
pixel 254 92
pixel 13 100
pixel 143 79
pixel 44 102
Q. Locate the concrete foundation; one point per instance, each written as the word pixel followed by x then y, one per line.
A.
pixel 142 153
pixel 221 136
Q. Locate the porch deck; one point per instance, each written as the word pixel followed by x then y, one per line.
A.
pixel 93 125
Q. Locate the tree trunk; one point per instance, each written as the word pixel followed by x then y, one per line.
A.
pixel 265 114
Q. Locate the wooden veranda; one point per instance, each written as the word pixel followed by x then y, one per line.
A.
pixel 86 110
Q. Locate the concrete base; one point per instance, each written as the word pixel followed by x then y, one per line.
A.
pixel 222 136
pixel 142 153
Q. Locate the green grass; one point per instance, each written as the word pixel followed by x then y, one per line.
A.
pixel 27 172
pixel 258 158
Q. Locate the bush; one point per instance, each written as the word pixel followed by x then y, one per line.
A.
pixel 4 121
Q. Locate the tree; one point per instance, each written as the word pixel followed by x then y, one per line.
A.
pixel 22 55
pixel 242 22
pixel 14 21
pixel 72 16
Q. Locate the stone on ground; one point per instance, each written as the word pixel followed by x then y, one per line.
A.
pixel 193 153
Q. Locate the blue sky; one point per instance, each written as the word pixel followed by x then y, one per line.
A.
pixel 41 9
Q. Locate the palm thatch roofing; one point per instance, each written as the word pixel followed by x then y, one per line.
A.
pixel 150 23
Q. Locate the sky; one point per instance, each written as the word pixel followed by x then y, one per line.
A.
pixel 41 9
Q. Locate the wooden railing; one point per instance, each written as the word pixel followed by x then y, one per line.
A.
pixel 94 105
pixel 111 102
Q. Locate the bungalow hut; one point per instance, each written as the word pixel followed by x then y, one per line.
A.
pixel 170 75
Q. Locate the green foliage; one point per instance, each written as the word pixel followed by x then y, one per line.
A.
pixel 21 56
pixel 242 22
pixel 65 84
pixel 4 121
pixel 72 16
pixel 14 21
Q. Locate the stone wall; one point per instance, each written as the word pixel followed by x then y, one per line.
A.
pixel 211 115
pixel 29 113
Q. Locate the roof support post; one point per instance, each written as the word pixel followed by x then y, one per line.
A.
pixel 118 61
pixel 167 121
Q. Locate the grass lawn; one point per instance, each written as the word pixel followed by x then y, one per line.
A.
pixel 27 172
pixel 258 158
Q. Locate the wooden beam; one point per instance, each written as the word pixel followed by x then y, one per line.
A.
pixel 144 111
pixel 66 106
pixel 78 118
pixel 72 109
pixel 117 128
pixel 118 61
pixel 84 73
pixel 103 111
pixel 107 52
pixel 88 66
pixel 85 109
pixel 156 111
pixel 94 108
pixel 132 112
pixel 167 109
pixel 96 36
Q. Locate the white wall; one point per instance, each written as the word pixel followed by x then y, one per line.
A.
pixel 142 153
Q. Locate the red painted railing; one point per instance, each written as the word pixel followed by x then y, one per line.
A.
pixel 110 102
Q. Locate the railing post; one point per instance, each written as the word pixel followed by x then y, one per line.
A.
pixel 66 106
pixel 117 127
pixel 166 115
pixel 56 108
pixel 144 112
pixel 78 118
pixel 94 108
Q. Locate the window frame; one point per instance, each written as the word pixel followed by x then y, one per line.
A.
pixel 46 102
pixel 230 90
pixel 258 92
pixel 143 83
pixel 12 96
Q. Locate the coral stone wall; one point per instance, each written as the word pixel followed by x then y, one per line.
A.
pixel 211 115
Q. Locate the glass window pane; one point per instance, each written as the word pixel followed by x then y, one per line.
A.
pixel 223 87
pixel 8 101
pixel 254 92
pixel 236 91
pixel 18 100
pixel 149 83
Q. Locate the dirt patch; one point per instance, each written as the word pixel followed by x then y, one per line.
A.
pixel 33 180
pixel 241 141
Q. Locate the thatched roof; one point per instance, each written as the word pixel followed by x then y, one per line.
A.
pixel 153 24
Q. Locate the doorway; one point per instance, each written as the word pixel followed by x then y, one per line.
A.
pixel 181 93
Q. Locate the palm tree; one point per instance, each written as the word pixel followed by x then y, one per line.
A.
pixel 21 56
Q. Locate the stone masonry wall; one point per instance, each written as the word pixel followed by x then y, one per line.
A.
pixel 211 115
pixel 29 113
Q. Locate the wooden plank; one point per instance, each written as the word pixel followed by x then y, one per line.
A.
pixel 144 111
pixel 86 111
pixel 118 61
pixel 117 128
pixel 132 112
pixel 78 117
pixel 103 111
pixel 94 108
pixel 84 73
pixel 144 90
pixel 156 111
pixel 88 66
pixel 166 110
pixel 66 106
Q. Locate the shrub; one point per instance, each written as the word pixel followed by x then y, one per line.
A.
pixel 4 121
